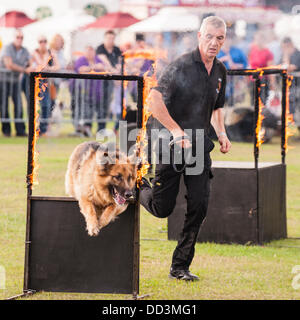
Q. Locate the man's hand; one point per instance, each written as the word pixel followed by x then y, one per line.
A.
pixel 224 143
pixel 184 143
pixel 217 121
pixel 160 112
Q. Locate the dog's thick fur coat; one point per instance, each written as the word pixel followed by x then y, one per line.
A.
pixel 101 181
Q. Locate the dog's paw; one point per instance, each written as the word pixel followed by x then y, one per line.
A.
pixel 93 230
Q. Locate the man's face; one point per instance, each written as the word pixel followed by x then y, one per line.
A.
pixel 287 48
pixel 109 40
pixel 18 39
pixel 211 40
pixel 260 40
pixel 140 44
pixel 90 53
pixel 42 43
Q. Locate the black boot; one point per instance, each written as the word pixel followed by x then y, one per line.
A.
pixel 182 275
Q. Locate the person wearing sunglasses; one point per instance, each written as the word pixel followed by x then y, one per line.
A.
pixel 45 60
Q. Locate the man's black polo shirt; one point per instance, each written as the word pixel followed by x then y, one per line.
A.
pixel 189 93
pixel 113 57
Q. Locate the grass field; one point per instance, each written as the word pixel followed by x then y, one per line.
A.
pixel 226 271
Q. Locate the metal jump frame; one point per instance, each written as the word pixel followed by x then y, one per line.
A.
pixel 140 108
pixel 257 85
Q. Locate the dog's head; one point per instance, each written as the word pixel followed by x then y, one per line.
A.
pixel 118 173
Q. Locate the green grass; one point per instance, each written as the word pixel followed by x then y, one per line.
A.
pixel 226 271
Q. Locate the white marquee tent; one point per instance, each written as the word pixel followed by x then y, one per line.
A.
pixel 169 19
pixel 66 25
pixel 289 26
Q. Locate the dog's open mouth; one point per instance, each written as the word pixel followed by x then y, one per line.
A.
pixel 120 200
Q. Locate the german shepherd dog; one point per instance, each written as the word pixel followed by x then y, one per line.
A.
pixel 101 181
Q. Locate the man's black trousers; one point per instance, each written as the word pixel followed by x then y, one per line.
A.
pixel 12 89
pixel 160 200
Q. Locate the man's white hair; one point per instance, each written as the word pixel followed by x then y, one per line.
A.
pixel 215 21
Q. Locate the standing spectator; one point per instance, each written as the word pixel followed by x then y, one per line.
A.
pixel 89 92
pixel 111 57
pixel 15 59
pixel 233 58
pixel 140 43
pixel 109 53
pixel 57 48
pixel 45 60
pixel 175 48
pixel 259 57
pixel 188 42
pixel 243 43
pixel 290 55
pixel 291 61
pixel 161 54
pixel 274 47
pixel 143 64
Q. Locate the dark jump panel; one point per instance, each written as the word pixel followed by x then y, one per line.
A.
pixel 245 205
pixel 64 258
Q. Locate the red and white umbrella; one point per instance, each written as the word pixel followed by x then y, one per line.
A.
pixel 15 19
pixel 115 20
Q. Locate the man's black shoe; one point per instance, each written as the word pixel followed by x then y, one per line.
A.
pixel 182 275
pixel 22 134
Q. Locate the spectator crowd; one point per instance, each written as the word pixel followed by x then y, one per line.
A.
pixel 101 99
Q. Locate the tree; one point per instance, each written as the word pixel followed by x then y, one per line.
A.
pixel 43 12
pixel 95 9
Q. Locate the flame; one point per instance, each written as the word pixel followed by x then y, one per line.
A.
pixel 38 89
pixel 288 116
pixel 78 53
pixel 146 54
pixel 150 81
pixel 262 70
pixel 139 54
pixel 135 54
pixel 96 72
pixel 260 117
pixel 124 110
pixel 259 132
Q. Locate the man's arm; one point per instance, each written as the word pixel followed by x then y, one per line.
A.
pixel 217 121
pixel 108 65
pixel 160 112
pixel 8 62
